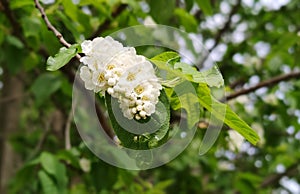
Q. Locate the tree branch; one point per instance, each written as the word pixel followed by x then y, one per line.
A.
pixel 266 83
pixel 9 119
pixel 42 139
pixel 275 178
pixel 50 26
pixel 226 26
pixel 68 145
pixel 12 98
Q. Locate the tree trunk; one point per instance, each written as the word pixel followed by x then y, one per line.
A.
pixel 10 108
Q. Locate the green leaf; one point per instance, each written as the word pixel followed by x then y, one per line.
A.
pixel 31 27
pixel 186 20
pixel 70 157
pixel 231 119
pixel 79 20
pixel 12 40
pixel 80 188
pixel 252 178
pixel 168 61
pixel 70 9
pixel 49 163
pixel 158 121
pixel 48 184
pixel 52 166
pixel 168 57
pixel 45 85
pixel 20 180
pixel 8 54
pixel 62 57
pixel 2 37
pixel 31 61
pixel 162 185
pixel 205 6
pixel 15 4
pixel 211 77
pixel 284 43
pixel 162 11
pixel 189 4
pixel 184 96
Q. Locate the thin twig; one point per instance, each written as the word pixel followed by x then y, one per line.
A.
pixel 67 130
pixel 226 26
pixel 51 27
pixel 266 83
pixel 42 140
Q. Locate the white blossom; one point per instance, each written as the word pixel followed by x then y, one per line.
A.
pixel 235 140
pixel 119 71
pixel 141 88
pixel 86 75
pixel 135 75
pixel 139 101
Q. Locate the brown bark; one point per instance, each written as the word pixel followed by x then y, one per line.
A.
pixel 9 123
pixel 266 83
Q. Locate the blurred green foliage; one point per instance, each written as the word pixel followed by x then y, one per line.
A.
pixel 252 42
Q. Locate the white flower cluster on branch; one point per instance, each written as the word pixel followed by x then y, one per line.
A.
pixel 110 67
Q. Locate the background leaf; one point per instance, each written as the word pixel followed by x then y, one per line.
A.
pixel 162 11
pixel 186 19
pixel 45 85
pixel 48 184
pixel 205 6
pixel 53 167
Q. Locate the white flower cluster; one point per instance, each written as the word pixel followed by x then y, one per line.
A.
pixel 119 71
